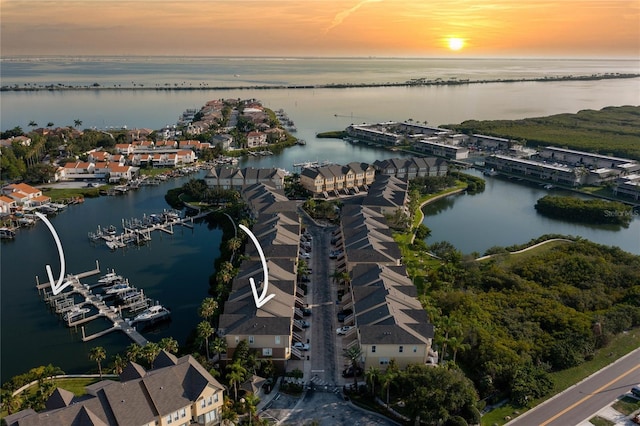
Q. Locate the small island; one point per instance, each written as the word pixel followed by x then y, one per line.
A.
pixel 594 211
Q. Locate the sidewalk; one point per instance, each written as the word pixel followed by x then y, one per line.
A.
pixel 611 414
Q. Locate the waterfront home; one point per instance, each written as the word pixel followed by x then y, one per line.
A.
pixel 329 180
pixel 194 145
pixel 7 205
pixel 236 178
pixel 185 156
pixel 436 146
pixel 255 139
pixel 554 172
pixel 409 168
pixel 628 186
pixel 176 391
pixel 21 140
pixel 223 140
pixel 118 172
pixel 379 300
pixel 25 195
pixel 378 133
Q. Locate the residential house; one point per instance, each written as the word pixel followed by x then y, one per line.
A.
pixel 118 172
pixel 25 195
pixel 234 178
pixel 7 205
pixel 410 168
pixel 389 194
pixel 256 139
pixel 124 148
pixel 176 391
pixel 223 140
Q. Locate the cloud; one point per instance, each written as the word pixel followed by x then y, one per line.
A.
pixel 341 16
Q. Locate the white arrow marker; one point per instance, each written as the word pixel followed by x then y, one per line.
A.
pixel 263 298
pixel 56 288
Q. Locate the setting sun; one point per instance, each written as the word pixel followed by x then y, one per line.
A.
pixel 455 43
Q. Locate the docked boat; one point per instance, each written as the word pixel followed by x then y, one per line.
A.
pixel 119 288
pixel 152 314
pixel 110 278
pixel 74 313
pixel 7 234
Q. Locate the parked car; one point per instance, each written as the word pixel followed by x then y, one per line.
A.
pixel 343 330
pixel 636 390
pixel 301 346
pixel 344 314
pixel 304 324
pixel 335 253
pixel 349 372
pixel 306 312
pixel 305 255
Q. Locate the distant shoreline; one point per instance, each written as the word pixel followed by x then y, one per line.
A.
pixel 417 82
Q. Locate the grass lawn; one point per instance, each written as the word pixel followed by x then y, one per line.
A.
pixel 154 171
pixel 619 346
pixel 599 421
pixel 627 405
pixel 68 193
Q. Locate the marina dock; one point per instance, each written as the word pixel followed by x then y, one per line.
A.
pixel 64 303
pixel 138 231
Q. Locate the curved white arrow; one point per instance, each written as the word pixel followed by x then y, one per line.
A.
pixel 263 298
pixel 56 288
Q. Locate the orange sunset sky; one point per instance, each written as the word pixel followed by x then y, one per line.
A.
pixel 409 28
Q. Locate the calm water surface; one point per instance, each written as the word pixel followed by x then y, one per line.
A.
pixel 175 269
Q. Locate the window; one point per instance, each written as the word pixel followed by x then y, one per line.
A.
pixel 210 400
pixel 169 420
pixel 176 415
pixel 373 348
pixel 401 349
pixel 250 339
pixel 267 352
pixel 415 349
pixel 183 413
pixel 203 403
pixel 277 340
pixel 237 339
pixel 216 398
pixel 384 361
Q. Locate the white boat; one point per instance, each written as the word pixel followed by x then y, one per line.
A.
pixel 153 313
pixel 74 313
pixel 110 278
pixel 115 244
pixel 6 233
pixel 119 288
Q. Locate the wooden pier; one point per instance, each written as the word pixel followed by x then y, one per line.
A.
pixel 64 302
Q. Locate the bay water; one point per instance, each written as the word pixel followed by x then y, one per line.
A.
pixel 175 269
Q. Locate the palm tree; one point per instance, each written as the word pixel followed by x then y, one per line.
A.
pixel 353 354
pixel 389 376
pixel 98 354
pixel 119 363
pixel 303 268
pixel 77 123
pixel 33 124
pixel 208 308
pixel 236 375
pixel 205 331
pixel 169 344
pixel 372 375
pixel 134 351
pixel 219 345
pixel 150 351
pixel 50 124
pixel 252 401
pixel 457 344
pixel 336 275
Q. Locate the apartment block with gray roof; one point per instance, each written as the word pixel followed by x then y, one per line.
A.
pixel 236 178
pixel 178 391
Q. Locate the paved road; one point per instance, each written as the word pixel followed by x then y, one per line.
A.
pixel 583 400
pixel 320 294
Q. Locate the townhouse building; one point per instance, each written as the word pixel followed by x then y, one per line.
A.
pixel 333 179
pixel 271 329
pixel 409 168
pixel 237 178
pixel 177 391
pixel 24 195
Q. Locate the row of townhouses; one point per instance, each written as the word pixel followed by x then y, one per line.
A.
pixel 389 321
pixel 573 168
pixel 354 177
pixel 273 328
pixel 236 178
pixel 176 392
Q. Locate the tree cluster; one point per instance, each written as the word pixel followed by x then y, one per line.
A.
pixel 523 319
pixel 590 211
